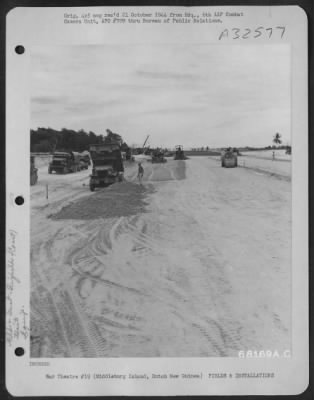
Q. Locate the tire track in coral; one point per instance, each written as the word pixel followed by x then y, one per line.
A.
pixel 185 202
pixel 55 311
pixel 99 251
pixel 66 308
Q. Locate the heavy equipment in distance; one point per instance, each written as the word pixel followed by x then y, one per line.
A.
pixel 85 161
pixel 33 171
pixel 158 157
pixel 229 158
pixel 107 165
pixel 64 162
pixel 179 154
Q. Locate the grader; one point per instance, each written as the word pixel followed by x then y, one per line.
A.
pixel 229 158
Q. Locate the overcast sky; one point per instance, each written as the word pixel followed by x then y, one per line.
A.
pixel 195 95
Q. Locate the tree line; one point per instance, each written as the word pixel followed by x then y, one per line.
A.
pixel 48 140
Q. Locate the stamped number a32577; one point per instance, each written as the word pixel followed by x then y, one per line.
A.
pixel 247 33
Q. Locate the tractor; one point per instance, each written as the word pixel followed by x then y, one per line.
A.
pixel 158 157
pixel 179 154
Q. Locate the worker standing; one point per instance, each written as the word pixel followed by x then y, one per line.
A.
pixel 140 172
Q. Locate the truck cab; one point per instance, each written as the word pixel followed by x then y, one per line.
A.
pixel 85 161
pixel 64 162
pixel 107 165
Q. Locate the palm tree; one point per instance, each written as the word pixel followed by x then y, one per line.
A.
pixel 277 139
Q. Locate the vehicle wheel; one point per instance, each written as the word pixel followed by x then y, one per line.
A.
pixel 92 187
pixel 49 171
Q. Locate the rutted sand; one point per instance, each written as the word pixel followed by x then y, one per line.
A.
pixel 198 266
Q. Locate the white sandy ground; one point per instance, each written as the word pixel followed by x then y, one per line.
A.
pixel 280 155
pixel 262 161
pixel 205 271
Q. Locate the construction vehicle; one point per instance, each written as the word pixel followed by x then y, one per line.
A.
pixel 64 162
pixel 33 172
pixel 84 160
pixel 128 154
pixel 145 142
pixel 158 157
pixel 107 164
pixel 85 154
pixel 229 158
pixel 179 154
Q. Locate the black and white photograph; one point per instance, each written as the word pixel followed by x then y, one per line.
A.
pixel 157 218
pixel 160 200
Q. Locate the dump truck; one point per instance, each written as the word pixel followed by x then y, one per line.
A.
pixel 64 162
pixel 229 158
pixel 179 154
pixel 107 165
pixel 33 171
pixel 85 161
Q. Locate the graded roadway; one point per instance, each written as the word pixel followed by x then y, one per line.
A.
pixel 193 263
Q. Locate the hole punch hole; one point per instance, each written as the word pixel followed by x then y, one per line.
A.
pixel 19 49
pixel 19 200
pixel 19 351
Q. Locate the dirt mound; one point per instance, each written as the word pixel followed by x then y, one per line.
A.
pixel 119 200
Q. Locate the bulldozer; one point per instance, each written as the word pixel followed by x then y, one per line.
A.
pixel 179 154
pixel 158 157
pixel 33 172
